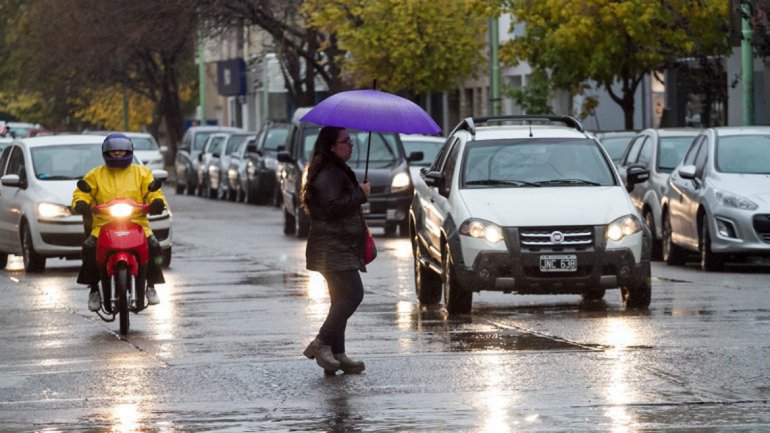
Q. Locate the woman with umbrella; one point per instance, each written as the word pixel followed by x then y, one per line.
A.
pixel 335 246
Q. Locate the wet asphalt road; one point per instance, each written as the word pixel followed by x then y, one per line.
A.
pixel 222 352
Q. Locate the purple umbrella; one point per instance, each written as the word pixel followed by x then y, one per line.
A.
pixel 373 111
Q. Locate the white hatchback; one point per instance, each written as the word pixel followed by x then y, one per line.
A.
pixel 38 177
pixel 529 207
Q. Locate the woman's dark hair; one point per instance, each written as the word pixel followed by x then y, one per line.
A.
pixel 322 155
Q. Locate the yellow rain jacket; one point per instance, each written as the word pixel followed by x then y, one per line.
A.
pixel 110 183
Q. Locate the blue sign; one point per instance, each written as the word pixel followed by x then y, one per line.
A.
pixel 231 77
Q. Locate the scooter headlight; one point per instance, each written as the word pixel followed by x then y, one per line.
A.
pixel 121 210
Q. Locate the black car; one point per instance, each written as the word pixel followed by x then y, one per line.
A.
pixel 261 180
pixel 391 185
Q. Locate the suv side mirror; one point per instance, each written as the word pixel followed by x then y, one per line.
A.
pixel 164 149
pixel 434 179
pixel 160 175
pixel 415 156
pixel 687 172
pixel 11 180
pixel 200 157
pixel 215 154
pixel 636 174
pixel 285 158
pixel 251 148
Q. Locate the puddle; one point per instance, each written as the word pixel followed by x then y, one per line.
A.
pixel 508 341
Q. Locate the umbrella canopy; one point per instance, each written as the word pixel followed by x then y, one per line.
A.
pixel 374 111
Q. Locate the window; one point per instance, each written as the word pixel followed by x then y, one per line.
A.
pixel 449 168
pixel 689 159
pixel 15 162
pixel 670 152
pixel 645 154
pixel 636 146
pixel 4 158
pixel 700 160
pixel 749 154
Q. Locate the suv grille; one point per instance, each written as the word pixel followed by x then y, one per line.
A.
pixel 762 226
pixel 556 236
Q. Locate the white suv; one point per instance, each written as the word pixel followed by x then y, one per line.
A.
pixel 526 204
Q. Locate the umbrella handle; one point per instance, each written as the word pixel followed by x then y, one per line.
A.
pixel 368 146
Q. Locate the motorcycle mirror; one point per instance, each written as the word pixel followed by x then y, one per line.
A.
pixel 154 185
pixel 84 186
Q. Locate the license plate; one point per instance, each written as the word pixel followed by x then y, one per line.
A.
pixel 559 263
pixel 366 208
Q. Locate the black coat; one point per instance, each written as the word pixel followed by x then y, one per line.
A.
pixel 337 226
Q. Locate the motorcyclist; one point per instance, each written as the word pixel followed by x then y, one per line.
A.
pixel 118 178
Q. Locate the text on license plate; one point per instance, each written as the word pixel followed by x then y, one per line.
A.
pixel 558 263
pixel 366 208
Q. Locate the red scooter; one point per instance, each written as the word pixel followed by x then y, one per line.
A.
pixel 122 254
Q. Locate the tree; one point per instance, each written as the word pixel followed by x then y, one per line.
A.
pixel 304 52
pixel 611 41
pixel 413 46
pixel 533 98
pixel 67 50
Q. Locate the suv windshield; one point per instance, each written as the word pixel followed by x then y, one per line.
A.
pixel 671 150
pixel 535 162
pixel 66 162
pixel 383 152
pixel 200 139
pixel 745 154
pixel 276 137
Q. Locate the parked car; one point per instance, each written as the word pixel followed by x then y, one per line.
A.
pixel 717 202
pixel 38 176
pixel 187 162
pixel 214 145
pixel 220 163
pixel 20 129
pixel 240 163
pixel 262 182
pixel 429 145
pixel 533 208
pixel 391 187
pixel 146 148
pixel 658 151
pixel 615 142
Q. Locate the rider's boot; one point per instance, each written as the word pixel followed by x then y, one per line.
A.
pixel 94 298
pixel 152 296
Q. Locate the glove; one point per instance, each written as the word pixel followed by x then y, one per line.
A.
pixel 82 208
pixel 156 207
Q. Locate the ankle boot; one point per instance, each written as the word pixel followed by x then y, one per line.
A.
pixel 322 354
pixel 348 365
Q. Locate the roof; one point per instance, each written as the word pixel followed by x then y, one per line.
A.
pixel 421 137
pixel 723 131
pixel 55 140
pixel 523 131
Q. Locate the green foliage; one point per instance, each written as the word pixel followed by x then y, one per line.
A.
pixel 533 98
pixel 412 46
pixel 611 41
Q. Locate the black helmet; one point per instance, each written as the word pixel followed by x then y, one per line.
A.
pixel 117 141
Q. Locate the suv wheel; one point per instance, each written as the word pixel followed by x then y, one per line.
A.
pixel 639 294
pixel 672 254
pixel 390 229
pixel 427 283
pixel 190 187
pixel 288 222
pixel 179 188
pixel 33 262
pixel 656 244
pixel 709 261
pixel 456 299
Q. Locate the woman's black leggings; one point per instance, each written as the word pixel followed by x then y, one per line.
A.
pixel 346 292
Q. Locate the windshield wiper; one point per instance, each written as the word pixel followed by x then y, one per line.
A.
pixel 500 182
pixel 56 177
pixel 569 182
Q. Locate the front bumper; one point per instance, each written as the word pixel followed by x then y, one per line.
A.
pixel 516 268
pixel 737 231
pixel 387 209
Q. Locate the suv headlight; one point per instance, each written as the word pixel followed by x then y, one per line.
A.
pixel 50 210
pixel 271 163
pixel 400 181
pixel 622 227
pixel 734 200
pixel 477 228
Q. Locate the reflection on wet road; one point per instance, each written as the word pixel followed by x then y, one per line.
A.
pixel 222 352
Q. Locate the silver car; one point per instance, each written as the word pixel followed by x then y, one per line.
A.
pixel 658 151
pixel 717 200
pixel 38 176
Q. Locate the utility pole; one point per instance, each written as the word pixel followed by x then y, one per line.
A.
pixel 494 67
pixel 201 77
pixel 747 63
